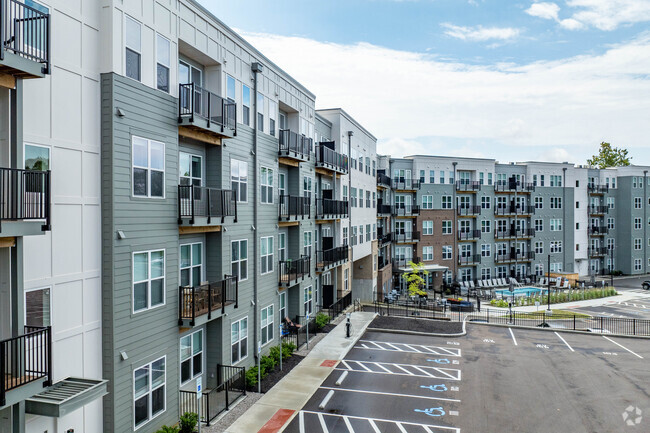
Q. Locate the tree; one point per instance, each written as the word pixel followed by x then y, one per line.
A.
pixel 609 156
pixel 415 279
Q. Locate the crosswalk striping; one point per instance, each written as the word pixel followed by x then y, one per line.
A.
pixel 409 348
pixel 376 424
pixel 399 369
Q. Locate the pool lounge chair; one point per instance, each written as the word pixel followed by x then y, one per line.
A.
pixel 471 284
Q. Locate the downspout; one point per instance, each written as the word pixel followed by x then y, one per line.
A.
pixel 564 229
pixel 256 68
pixel 645 218
pixel 455 229
pixel 351 258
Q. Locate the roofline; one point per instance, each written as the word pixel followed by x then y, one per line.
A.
pixel 351 119
pixel 248 45
pixel 324 120
pixel 448 157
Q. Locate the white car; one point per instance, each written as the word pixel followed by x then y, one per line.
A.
pixel 598 330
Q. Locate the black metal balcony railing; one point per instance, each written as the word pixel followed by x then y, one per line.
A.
pixel 194 101
pixel 25 195
pixel 404 184
pixel 385 238
pixel 470 259
pixel 406 237
pixel 514 210
pixel 597 189
pixel 382 262
pixel 293 145
pixel 383 180
pixel 466 185
pixel 467 235
pixel 332 257
pixel 384 209
pixel 512 186
pixel 597 210
pixel 200 201
pixel 471 210
pixel 25 359
pixel 399 263
pixel 25 32
pixel 406 210
pixel 511 256
pixel 294 207
pixel 512 233
pixel 598 230
pixel 199 300
pixel 598 251
pixel 293 270
pixel 331 209
pixel 328 158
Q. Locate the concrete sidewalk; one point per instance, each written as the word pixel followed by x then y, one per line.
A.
pixel 293 391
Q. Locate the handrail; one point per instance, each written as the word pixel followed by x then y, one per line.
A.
pixel 466 185
pixel 327 258
pixel 331 208
pixel 464 235
pixel 406 236
pixel 201 201
pixel 25 31
pixel 25 195
pixel 327 157
pixel 470 210
pixel 194 100
pixel 196 301
pixel 406 209
pixel 294 145
pixel 293 270
pixel 294 206
pixel 406 184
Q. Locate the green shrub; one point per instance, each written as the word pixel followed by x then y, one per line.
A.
pixel 251 376
pixel 166 429
pixel 188 422
pixel 322 319
pixel 268 363
pixel 275 353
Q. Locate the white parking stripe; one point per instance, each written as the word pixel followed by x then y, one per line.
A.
pixel 513 336
pixel 347 424
pixel 322 423
pixel 363 366
pixel 419 369
pixel 427 427
pixel 403 369
pixel 382 367
pixel 567 344
pixel 401 428
pixel 623 347
pixel 413 348
pixel 392 394
pixel 346 364
pixel 301 422
pixel 374 426
pixel 395 347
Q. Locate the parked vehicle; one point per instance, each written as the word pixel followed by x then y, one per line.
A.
pixel 646 285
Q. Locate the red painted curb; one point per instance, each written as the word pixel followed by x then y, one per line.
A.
pixel 329 363
pixel 277 421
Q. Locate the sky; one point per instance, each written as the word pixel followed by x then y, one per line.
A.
pixel 513 80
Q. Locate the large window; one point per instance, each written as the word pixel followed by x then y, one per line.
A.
pixel 149 392
pixel 267 254
pixel 637 244
pixel 556 202
pixel 148 168
pixel 266 185
pixel 306 243
pixel 148 279
pixel 446 227
pixel 427 202
pixel 267 324
pixel 556 224
pixel 427 253
pixel 163 62
pixel 282 246
pixel 446 202
pixel 427 227
pixel 273 110
pixel 539 225
pixel 447 252
pixel 191 356
pixel 539 247
pixel 37 308
pixel 556 246
pixel 191 264
pixel 307 300
pixel 239 259
pixel 246 105
pixel 239 179
pixel 239 340
pixel 637 203
pixel 190 168
pixel 486 250
pixel 37 158
pixel 133 38
pixel 230 89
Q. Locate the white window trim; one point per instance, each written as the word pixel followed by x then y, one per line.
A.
pixel 49 152
pixel 272 324
pixel 150 418
pixel 169 67
pixel 272 254
pixel 239 340
pixel 262 197
pixel 133 282
pixel 149 169
pixel 180 356
pixel 240 260
pixel 128 17
pixel 239 181
pixel 190 155
pixel 34 290
pixel 180 268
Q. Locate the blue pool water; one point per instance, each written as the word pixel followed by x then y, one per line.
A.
pixel 521 291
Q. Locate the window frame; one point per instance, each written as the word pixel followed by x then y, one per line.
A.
pixel 149 392
pixel 239 340
pixel 192 355
pixel 49 312
pixel 427 253
pixel 240 260
pixel 239 181
pixel 269 256
pixel 264 184
pixel 269 327
pixel 148 168
pixel 192 266
pixel 127 47
pixel 148 281
pixel 158 63
pixel 427 227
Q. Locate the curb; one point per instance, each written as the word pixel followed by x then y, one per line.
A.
pixel 569 331
pixel 424 334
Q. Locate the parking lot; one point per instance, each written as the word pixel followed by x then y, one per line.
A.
pixel 494 379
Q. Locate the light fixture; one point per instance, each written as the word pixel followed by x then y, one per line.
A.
pixel 124 356
pixel 120 113
pixel 121 235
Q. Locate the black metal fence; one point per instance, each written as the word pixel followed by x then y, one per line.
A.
pixel 25 195
pixel 201 201
pixel 331 257
pixel 339 306
pixel 466 185
pixel 293 270
pixel 293 145
pixel 196 301
pixel 25 31
pixel 327 208
pixel 25 359
pixel 292 206
pixel 406 184
pixel 194 101
pixel 231 385
pixel 465 235
pixel 470 210
pixel 383 180
pixel 326 157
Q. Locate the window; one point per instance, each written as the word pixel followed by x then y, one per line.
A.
pixel 133 40
pixel 239 340
pixel 637 244
pixel 610 223
pixel 267 324
pixel 190 167
pixel 446 252
pixel 446 202
pixel 345 193
pixel 541 180
pixel 230 88
pixel 633 181
pixel 556 224
pixel 534 180
pixel 485 202
pixel 345 235
pixel 37 158
pixel 374 232
pixel 556 246
pixel 149 392
pixel 354 197
pixel 637 223
pixel 191 356
pixel 539 225
pixel 539 247
pixel 239 179
pixel 148 280
pixel 446 227
pixel 163 59
pixel 432 176
pixel 577 205
pixel 361 234
pixel 442 176
pixel 266 253
pixel 486 226
pixel 260 112
pixel 539 269
pixel 556 180
pixel 427 227
pixel 246 104
pixel 354 235
pixel 556 202
pixel 556 267
pixel 486 274
pixel 489 178
pixel 481 178
pixel 283 305
pixel 273 109
pixel 148 168
pixel 360 162
pixel 266 181
pixel 486 250
pixel 368 239
pixel 539 202
pixel 422 180
pixel 427 253
pixel 282 246
pixel 637 264
pixel 306 187
pixel 307 300
pixel 37 308
pixel 191 264
pixel 239 259
pixel 427 202
pixel 637 202
pixel 368 199
pixel 610 202
pixel 306 243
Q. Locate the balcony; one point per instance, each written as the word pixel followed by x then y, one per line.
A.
pixel 511 186
pixel 402 264
pixel 406 210
pixel 294 208
pixel 384 210
pixel 598 251
pixel 468 211
pixel 511 233
pixel 327 209
pixel 207 300
pixel 403 184
pixel 469 260
pixel 293 271
pixel 406 237
pixel 204 116
pixel 598 230
pixel 295 148
pixel 385 238
pixel 204 206
pixel 382 262
pixel 468 186
pixel 512 210
pixel 383 181
pixel 25 365
pixel 597 189
pixel 25 36
pixel 24 202
pixel 331 258
pixel 515 257
pixel 469 235
pixel 598 210
pixel 328 159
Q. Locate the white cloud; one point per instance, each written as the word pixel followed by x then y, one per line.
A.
pixel 547 11
pixel 571 24
pixel 480 33
pixel 406 98
pixel 601 14
pixel 555 154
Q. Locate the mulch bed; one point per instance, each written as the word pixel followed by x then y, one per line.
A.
pixel 274 377
pixel 418 325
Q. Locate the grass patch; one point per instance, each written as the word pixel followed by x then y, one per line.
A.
pixel 557 315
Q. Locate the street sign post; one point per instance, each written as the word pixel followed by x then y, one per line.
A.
pixel 199 393
pixel 280 347
pixel 259 368
pixel 307 324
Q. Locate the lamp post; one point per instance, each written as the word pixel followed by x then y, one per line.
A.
pixel 611 266
pixel 548 282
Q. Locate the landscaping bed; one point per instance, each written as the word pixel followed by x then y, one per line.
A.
pixel 556 298
pixel 417 325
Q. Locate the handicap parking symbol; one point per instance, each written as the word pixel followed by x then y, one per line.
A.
pixel 439 388
pixel 434 411
pixel 439 361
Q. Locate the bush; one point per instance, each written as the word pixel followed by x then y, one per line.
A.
pixel 268 364
pixel 188 422
pixel 165 429
pixel 322 319
pixel 251 377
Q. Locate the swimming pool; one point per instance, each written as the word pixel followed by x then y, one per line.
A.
pixel 520 291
